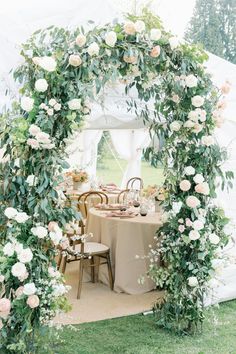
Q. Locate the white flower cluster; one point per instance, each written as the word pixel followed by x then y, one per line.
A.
pixel 195 120
pixel 47 63
pixel 54 233
pixel 41 140
pixel 54 105
pixel 27 104
pixel 18 216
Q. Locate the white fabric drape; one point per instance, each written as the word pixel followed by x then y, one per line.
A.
pixel 129 145
pixel 83 151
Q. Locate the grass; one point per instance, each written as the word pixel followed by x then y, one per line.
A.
pixel 109 171
pixel 138 335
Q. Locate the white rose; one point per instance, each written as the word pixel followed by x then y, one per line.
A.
pixel 93 49
pixel 174 42
pixel 10 213
pixel 198 178
pixel 74 104
pixel 75 60
pixel 52 102
pixel 29 289
pixel 8 249
pixel 80 40
pixel 56 236
pixel 129 28
pixel 39 231
pixel 111 38
pixel 214 239
pixel 41 85
pixel 21 217
pixel 191 81
pixel 202 188
pixel 32 180
pixel 194 235
pixel 185 185
pixel 193 115
pixel 198 225
pixel 192 281
pixel 155 34
pixel 19 270
pixel 176 125
pixel 27 104
pixel 208 140
pixel 189 170
pixel 18 247
pixel 139 26
pixel 197 101
pixel 192 201
pixel 57 107
pixel 34 129
pixel 47 63
pixel 25 256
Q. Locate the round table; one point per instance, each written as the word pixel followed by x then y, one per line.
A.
pixel 127 239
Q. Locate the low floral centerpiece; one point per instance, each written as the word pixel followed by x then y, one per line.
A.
pixel 158 193
pixel 79 177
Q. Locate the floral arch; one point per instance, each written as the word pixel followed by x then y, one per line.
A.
pixel 62 71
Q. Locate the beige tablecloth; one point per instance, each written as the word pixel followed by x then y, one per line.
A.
pixel 126 239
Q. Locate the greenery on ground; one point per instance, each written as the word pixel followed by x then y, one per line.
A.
pixel 213 24
pixel 139 335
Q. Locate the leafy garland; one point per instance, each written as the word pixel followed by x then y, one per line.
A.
pixel 63 71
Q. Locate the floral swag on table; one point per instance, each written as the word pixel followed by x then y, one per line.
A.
pixel 62 72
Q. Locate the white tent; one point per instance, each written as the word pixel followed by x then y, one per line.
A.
pixel 19 19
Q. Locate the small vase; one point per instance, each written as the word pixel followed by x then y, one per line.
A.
pixel 77 185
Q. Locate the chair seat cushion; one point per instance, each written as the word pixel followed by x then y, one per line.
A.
pixel 93 248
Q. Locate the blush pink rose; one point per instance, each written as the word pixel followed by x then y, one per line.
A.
pixel 188 222
pixel 185 185
pixel 221 105
pixel 181 228
pixel 226 88
pixel 33 143
pixel 202 188
pixel 52 225
pixel 5 305
pixel 130 59
pixel 155 52
pixel 192 201
pixel 33 301
pixel 19 291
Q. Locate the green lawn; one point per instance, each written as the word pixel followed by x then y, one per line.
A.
pixel 139 335
pixel 109 171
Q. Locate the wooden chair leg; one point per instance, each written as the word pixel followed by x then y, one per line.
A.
pixel 59 261
pixel 64 265
pixel 92 264
pixel 110 271
pixel 81 269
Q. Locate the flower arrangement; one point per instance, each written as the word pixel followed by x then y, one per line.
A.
pixel 33 135
pixel 78 176
pixel 159 193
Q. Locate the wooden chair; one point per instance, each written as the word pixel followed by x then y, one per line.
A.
pixel 132 181
pixel 83 252
pixel 121 196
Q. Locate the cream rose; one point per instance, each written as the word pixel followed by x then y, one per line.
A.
pixel 75 60
pixel 33 143
pixel 21 217
pixel 189 170
pixel 8 249
pixel 191 81
pixel 41 85
pixel 208 140
pixel 111 38
pixel 47 63
pixel 197 101
pixel 193 282
pixel 33 301
pixel 52 102
pixel 43 138
pixel 189 124
pixel 185 185
pixel 194 235
pixel 155 34
pixel 27 104
pixel 18 270
pixel 74 104
pixel 39 231
pixel 198 225
pixel 192 201
pixel 57 107
pixel 34 129
pixel 175 125
pixel 93 49
pixel 139 26
pixel 129 28
pixel 226 88
pixel 19 291
pixel 80 40
pixel 202 188
pixel 214 239
pixel 198 178
pixel 130 59
pixel 5 305
pixel 25 256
